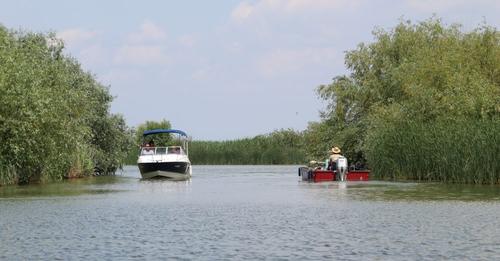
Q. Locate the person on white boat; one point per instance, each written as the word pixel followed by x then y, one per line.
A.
pixel 147 150
pixel 174 150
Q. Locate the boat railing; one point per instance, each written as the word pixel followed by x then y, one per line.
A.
pixel 162 150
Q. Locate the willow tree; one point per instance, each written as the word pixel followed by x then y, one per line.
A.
pixel 421 102
pixel 54 117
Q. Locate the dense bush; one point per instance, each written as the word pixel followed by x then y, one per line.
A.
pixel 422 102
pixel 54 117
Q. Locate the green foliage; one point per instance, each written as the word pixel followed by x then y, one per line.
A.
pixel 422 80
pixel 111 142
pixel 279 147
pixel 456 151
pixel 162 139
pixel 54 117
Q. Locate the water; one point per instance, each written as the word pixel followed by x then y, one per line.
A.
pixel 247 212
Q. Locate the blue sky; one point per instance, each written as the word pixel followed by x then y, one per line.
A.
pixel 224 69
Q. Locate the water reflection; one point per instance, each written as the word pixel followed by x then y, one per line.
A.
pixel 71 187
pixel 407 191
pixel 164 185
pixel 423 191
pixel 240 180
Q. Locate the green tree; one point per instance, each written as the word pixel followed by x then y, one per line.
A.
pixel 427 77
pixel 52 113
pixel 162 139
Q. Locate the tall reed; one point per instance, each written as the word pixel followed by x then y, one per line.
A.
pixel 245 152
pixel 278 147
pixel 455 151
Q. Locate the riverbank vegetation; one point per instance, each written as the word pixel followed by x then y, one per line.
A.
pixel 278 147
pixel 422 102
pixel 54 117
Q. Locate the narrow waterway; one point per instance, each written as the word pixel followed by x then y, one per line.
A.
pixel 247 212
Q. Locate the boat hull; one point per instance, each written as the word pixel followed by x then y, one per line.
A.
pixel 318 175
pixel 358 175
pixel 170 170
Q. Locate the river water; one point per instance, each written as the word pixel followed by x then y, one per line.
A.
pixel 247 213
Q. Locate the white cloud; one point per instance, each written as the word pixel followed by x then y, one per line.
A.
pixel 143 47
pixel 444 5
pixel 202 74
pixel 301 5
pixel 242 11
pixel 94 54
pixel 76 36
pixel 245 10
pixel 187 40
pixel 149 32
pixel 141 55
pixel 287 61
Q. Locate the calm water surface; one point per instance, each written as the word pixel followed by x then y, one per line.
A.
pixel 247 212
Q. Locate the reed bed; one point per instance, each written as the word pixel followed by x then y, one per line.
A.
pixel 284 146
pixel 245 152
pixel 446 151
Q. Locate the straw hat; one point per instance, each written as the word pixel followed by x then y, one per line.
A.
pixel 335 150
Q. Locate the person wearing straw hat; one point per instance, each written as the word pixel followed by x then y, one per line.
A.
pixel 334 155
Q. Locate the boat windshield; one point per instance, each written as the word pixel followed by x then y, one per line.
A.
pixel 162 150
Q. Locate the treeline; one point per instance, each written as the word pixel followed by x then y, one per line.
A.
pixel 422 102
pixel 278 147
pixel 54 116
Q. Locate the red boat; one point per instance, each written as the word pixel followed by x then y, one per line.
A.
pixel 319 175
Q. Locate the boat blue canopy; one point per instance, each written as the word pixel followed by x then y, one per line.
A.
pixel 156 131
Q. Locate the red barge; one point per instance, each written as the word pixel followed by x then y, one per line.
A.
pixel 319 175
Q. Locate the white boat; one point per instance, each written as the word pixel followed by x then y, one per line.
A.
pixel 170 162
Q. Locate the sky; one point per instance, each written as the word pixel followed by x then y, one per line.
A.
pixel 225 69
